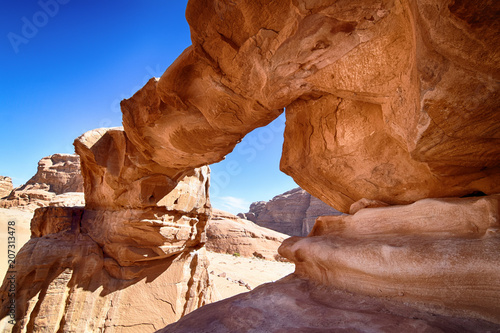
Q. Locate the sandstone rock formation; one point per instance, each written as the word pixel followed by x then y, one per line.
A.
pixel 65 282
pixel 5 186
pixel 57 174
pixel 226 233
pixel 441 254
pixel 373 108
pixel 133 257
pixel 403 265
pixel 297 305
pixel 394 101
pixel 61 172
pixel 292 213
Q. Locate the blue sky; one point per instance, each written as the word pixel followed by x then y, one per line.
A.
pixel 66 64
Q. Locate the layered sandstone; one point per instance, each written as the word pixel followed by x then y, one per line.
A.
pixel 440 254
pixel 132 258
pixel 373 108
pixel 292 213
pixel 61 172
pixel 226 233
pixel 5 186
pixel 65 282
pixel 58 178
pixel 392 101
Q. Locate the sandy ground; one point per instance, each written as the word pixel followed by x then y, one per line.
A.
pixel 231 275
pixel 21 234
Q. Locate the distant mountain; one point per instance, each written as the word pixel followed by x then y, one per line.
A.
pixel 293 212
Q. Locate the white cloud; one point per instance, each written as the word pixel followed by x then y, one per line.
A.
pixel 231 204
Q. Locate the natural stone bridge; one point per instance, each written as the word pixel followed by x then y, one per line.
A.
pixel 392 101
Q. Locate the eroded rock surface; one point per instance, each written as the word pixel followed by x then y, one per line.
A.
pixel 65 282
pixel 226 233
pixel 61 172
pixel 57 176
pixel 393 101
pixel 297 305
pixel 440 254
pixel 132 258
pixel 5 186
pixel 373 108
pixel 292 213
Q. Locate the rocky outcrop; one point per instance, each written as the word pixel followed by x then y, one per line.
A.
pixel 298 305
pixel 292 213
pixel 5 186
pixel 437 254
pixel 387 120
pixel 61 172
pixel 374 110
pixel 409 268
pixel 133 257
pixel 58 179
pixel 65 282
pixel 226 233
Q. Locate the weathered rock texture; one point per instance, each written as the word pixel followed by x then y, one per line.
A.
pixel 394 101
pixel 292 213
pixel 5 186
pixel 65 282
pixel 226 233
pixel 61 172
pixel 441 254
pixel 297 305
pixel 132 259
pixel 388 120
pixel 57 174
pixel 373 105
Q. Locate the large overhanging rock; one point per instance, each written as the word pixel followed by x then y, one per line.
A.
pixel 386 100
pixel 374 108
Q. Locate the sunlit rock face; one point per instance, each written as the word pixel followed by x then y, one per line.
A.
pixel 65 282
pixel 411 111
pixel 5 186
pixel 61 172
pixel 132 259
pixel 293 212
pixel 387 101
pixel 226 233
pixel 441 254
pixel 58 181
pixel 298 305
pixel 394 101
